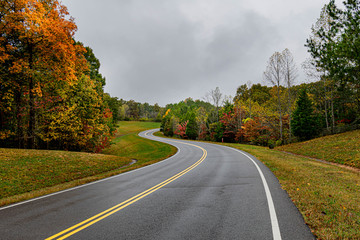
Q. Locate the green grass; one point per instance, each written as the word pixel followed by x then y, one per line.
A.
pixel 129 127
pixel 26 170
pixel 25 174
pixel 341 148
pixel 129 144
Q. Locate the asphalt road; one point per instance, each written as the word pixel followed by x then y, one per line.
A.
pixel 205 191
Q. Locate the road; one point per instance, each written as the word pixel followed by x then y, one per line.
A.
pixel 204 191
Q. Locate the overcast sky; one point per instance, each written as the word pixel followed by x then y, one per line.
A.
pixel 163 51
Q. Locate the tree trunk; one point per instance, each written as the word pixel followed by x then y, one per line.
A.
pixel 280 113
pixel 31 131
pixel 289 111
pixel 19 131
pixel 332 114
pixel 326 113
pixel 332 110
pixel 250 107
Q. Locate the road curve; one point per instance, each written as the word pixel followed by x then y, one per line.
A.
pixel 204 191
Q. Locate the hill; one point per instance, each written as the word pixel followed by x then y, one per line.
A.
pixel 343 148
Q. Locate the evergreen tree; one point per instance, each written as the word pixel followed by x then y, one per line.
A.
pixel 305 123
pixel 192 127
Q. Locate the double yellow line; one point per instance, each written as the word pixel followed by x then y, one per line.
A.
pixel 90 221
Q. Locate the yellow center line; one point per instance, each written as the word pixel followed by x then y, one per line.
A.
pixel 98 217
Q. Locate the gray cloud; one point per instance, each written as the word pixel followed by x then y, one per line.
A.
pixel 165 51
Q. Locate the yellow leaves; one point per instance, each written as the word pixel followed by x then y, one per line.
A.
pixel 167 112
pixel 5 134
pixel 48 76
pixel 37 90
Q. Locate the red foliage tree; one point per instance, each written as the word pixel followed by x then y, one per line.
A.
pixel 181 129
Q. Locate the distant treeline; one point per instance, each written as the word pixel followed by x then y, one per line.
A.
pixel 131 110
pixel 252 116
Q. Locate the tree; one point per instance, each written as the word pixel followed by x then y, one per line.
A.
pixel 346 27
pixel 192 126
pixel 334 47
pixel 249 84
pixel 242 93
pixel 114 105
pixel 214 96
pixel 274 74
pixel 39 61
pixel 321 46
pixel 255 131
pixel 201 119
pixel 181 129
pixel 305 122
pixel 290 74
pixel 51 91
pixel 94 69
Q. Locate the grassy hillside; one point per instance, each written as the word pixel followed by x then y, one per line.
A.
pixel 128 144
pixel 341 148
pixel 26 170
pixel 26 174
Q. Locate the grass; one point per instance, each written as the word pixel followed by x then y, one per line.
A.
pixel 341 148
pixel 129 144
pixel 130 127
pixel 26 174
pixel 326 195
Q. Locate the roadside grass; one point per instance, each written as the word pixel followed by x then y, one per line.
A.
pixel 142 150
pixel 343 148
pixel 129 127
pixel 26 174
pixel 326 195
pixel 22 171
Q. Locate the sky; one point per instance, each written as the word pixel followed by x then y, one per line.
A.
pixel 164 51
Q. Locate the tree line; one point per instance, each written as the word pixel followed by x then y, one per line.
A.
pixel 52 93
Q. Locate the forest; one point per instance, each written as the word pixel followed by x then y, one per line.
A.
pixel 52 93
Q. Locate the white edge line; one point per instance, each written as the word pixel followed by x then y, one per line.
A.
pixel 273 218
pixel 91 183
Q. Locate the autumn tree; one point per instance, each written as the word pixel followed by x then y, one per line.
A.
pixel 51 89
pixel 38 52
pixel 274 74
pixel 181 129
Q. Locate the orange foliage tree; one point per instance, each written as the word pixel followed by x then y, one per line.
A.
pixel 44 78
pixel 255 130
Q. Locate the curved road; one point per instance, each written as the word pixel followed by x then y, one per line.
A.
pixel 205 191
